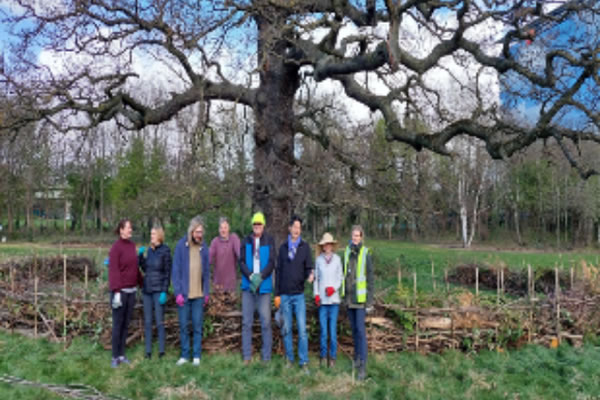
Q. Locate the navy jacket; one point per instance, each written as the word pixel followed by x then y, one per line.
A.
pixel 291 274
pixel 157 269
pixel 180 276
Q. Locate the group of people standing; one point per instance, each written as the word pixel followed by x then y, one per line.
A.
pixel 268 276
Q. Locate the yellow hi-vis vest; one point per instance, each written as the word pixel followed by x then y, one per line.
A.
pixel 361 276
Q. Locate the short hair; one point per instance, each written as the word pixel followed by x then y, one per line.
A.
pixel 358 228
pixel 222 220
pixel 160 233
pixel 121 225
pixel 294 219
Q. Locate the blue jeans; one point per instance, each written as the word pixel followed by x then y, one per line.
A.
pixel 294 304
pixel 152 303
pixel 195 307
pixel 252 302
pixel 359 333
pixel 328 320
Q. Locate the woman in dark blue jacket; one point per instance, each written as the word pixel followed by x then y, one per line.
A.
pixel 157 275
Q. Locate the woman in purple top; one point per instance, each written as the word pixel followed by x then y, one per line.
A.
pixel 223 255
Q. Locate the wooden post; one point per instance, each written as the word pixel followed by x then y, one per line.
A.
pixel 446 279
pixel 502 279
pixel 433 274
pixel 571 275
pixel 35 300
pixel 65 298
pixel 477 281
pixel 399 276
pixel 12 278
pixel 529 279
pixel 86 280
pixel 557 300
pixel 497 286
pixel 416 311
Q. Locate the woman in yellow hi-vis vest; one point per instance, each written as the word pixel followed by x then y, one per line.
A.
pixel 357 290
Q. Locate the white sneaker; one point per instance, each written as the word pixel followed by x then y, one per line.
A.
pixel 196 362
pixel 181 361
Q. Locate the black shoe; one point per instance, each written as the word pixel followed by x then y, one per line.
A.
pixel 161 355
pixel 148 356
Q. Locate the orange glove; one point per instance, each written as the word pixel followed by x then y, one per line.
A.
pixel 277 301
pixel 329 290
pixel 318 300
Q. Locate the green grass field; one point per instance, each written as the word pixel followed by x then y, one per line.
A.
pixel 529 373
pixel 532 372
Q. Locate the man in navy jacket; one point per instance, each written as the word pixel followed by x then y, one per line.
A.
pixel 294 268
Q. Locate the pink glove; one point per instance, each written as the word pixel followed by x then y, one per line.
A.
pixel 180 300
pixel 205 300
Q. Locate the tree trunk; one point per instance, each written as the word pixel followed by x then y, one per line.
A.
pixel 274 128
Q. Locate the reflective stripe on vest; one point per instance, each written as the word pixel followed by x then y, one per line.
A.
pixel 361 277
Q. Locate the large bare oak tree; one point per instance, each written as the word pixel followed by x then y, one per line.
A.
pixel 360 45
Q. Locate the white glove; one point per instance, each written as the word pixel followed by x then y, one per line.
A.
pixel 116 302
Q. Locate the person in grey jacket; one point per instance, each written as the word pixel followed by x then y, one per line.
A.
pixel 328 280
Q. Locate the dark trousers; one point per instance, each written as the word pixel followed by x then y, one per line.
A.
pixel 359 333
pixel 121 317
pixel 152 303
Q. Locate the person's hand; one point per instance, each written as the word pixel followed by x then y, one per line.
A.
pixel 311 277
pixel 318 300
pixel 255 281
pixel 277 301
pixel 162 299
pixel 329 290
pixel 180 300
pixel 116 301
pixel 142 250
pixel 369 309
pixel 205 300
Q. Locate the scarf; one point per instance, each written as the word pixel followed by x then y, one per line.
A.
pixel 293 246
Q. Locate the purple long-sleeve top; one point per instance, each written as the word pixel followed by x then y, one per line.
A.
pixel 224 255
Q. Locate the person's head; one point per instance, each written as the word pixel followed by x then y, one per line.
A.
pixel 327 244
pixel 196 229
pixel 157 236
pixel 258 224
pixel 223 227
pixel 124 229
pixel 357 234
pixel 295 227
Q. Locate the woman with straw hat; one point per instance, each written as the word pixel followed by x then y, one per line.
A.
pixel 328 280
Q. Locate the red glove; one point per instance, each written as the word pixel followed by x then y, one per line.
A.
pixel 180 300
pixel 329 290
pixel 318 300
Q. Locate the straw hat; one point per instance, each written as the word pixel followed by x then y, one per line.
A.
pixel 327 238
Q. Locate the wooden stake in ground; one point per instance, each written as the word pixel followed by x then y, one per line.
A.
pixel 477 281
pixel 12 278
pixel 35 300
pixel 571 275
pixel 86 280
pixel 399 277
pixel 529 294
pixel 557 301
pixel 497 286
pixel 65 298
pixel 446 279
pixel 433 274
pixel 416 311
